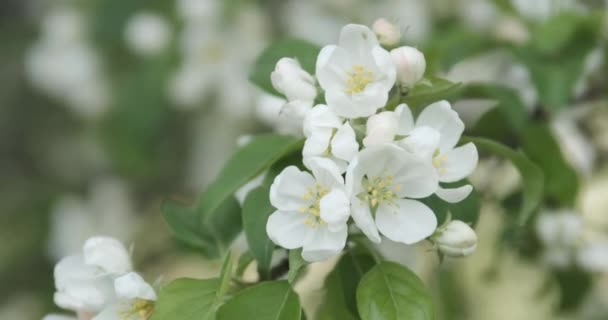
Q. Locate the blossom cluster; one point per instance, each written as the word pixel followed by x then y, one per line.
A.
pixel 366 159
pixel 100 284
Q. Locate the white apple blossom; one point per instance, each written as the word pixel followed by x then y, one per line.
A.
pixel 456 239
pixel 356 75
pixel 84 282
pixel 312 210
pixel 410 65
pixel 593 256
pixel 329 136
pixel 294 82
pixel 147 33
pixel 433 136
pixel 135 299
pixel 381 182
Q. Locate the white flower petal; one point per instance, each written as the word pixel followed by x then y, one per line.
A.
pixel 357 105
pixel 407 221
pixel 422 141
pixel 406 119
pixel 324 244
pixel 358 40
pixel 454 195
pixel 133 286
pixel 385 66
pixel 289 187
pixel 288 229
pixel 317 143
pixel 414 177
pixel 459 163
pixel 333 63
pixel 442 118
pixel 108 254
pixel 320 116
pixel 335 209
pixel 325 171
pixel 363 219
pixel 344 143
pixel 381 128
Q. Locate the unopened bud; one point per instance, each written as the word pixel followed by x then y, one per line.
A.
pixel 410 64
pixel 457 239
pixel 294 82
pixel 388 33
pixel 381 128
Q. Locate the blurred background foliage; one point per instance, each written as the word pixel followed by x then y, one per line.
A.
pixel 97 129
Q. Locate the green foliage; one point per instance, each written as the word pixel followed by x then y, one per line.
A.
pixel 510 110
pixel 561 181
pixel 305 52
pixel 390 291
pixel 430 90
pixel 266 301
pixel 244 165
pixel 256 210
pixel 339 301
pixel 531 175
pixel 188 299
pixel 556 55
pixel 297 264
pixel 216 221
pixel 574 286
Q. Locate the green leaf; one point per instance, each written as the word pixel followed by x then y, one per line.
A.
pixel 305 52
pixel 225 275
pixel 561 181
pixel 574 286
pixel 296 265
pixel 390 291
pixel 187 299
pixel 340 286
pixel 266 301
pixel 559 30
pixel 184 224
pixel 213 236
pixel 531 175
pixel 244 261
pixel 244 165
pixel 429 91
pixel 256 210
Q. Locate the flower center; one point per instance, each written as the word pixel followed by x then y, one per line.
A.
pixel 140 308
pixel 439 162
pixel 378 190
pixel 314 195
pixel 358 79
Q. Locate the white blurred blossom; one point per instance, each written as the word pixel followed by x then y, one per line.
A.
pixel 147 33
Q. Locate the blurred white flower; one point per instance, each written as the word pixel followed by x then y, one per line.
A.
pixel 540 10
pixel 329 136
pixel 312 210
pixel 594 256
pixel 410 65
pixel 456 239
pixel 213 59
pixel 388 33
pixel 381 182
pixel 560 233
pixel 193 10
pixel 64 66
pixel 356 75
pixel 108 210
pixel 147 33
